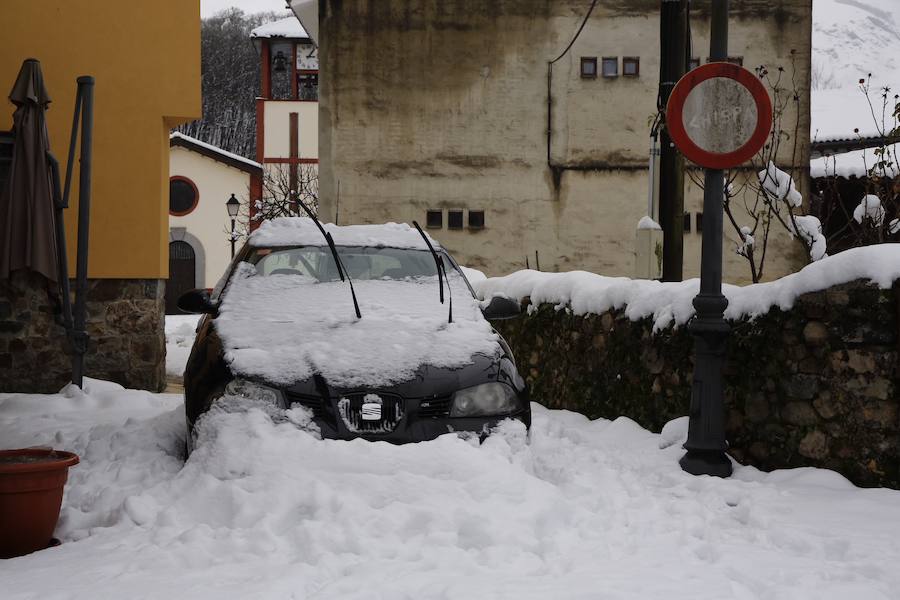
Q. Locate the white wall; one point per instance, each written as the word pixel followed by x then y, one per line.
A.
pixel 209 222
pixel 277 128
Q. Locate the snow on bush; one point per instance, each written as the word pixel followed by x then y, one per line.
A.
pixel 869 208
pixel 779 186
pixel 575 509
pixel 747 240
pixel 809 228
pixel 671 303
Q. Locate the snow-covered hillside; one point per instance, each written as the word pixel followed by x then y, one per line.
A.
pixel 852 38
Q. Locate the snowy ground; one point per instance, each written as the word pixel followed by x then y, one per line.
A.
pixel 585 509
pixel 180 331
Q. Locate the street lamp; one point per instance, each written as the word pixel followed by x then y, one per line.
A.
pixel 233 205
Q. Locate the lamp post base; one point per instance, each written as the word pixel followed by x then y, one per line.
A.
pixel 697 462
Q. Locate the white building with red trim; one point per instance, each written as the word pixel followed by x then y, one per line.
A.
pixel 202 179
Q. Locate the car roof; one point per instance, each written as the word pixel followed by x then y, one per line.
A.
pixel 302 231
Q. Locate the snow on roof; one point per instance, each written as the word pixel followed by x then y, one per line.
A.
pixel 848 164
pixel 669 303
pixel 837 113
pixel 223 153
pixel 301 231
pixel 285 328
pixel 289 27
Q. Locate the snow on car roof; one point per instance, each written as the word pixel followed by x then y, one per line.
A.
pixel 284 328
pixel 302 231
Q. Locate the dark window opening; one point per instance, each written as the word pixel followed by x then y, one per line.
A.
pixel 699 222
pixel 631 66
pixel 687 222
pixel 308 86
pixel 610 66
pixel 589 67
pixel 183 196
pixel 476 219
pixel 454 219
pixel 434 219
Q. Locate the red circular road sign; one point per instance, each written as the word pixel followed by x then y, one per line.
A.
pixel 719 115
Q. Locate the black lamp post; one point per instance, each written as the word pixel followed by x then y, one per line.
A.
pixel 706 443
pixel 233 205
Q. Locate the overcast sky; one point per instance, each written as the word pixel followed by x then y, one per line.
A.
pixel 211 7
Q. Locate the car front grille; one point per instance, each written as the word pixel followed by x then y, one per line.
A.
pixel 435 408
pixel 370 413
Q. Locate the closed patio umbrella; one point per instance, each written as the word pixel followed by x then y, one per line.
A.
pixel 27 220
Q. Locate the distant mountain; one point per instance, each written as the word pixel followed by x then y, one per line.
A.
pixel 852 38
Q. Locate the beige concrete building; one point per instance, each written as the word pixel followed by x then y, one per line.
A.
pixel 439 112
pixel 203 178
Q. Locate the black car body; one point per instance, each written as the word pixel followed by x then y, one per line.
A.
pixel 433 400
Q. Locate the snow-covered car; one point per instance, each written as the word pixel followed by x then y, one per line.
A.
pixel 373 328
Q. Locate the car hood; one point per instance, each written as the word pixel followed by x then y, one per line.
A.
pixel 284 329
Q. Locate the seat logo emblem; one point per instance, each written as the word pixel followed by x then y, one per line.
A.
pixel 371 408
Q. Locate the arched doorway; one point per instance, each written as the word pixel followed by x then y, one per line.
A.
pixel 182 274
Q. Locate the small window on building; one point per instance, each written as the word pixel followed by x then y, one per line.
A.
pixel 589 67
pixel 183 196
pixel 687 222
pixel 610 66
pixel 454 219
pixel 699 222
pixel 693 63
pixel 631 66
pixel 476 219
pixel 434 219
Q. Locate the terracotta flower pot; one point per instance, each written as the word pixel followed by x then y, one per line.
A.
pixel 31 490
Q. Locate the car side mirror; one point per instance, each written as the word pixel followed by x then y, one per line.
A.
pixel 196 302
pixel 500 308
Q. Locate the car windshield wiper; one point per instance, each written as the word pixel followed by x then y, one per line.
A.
pixel 441 271
pixel 334 253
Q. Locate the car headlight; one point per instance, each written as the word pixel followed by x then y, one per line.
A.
pixel 485 400
pixel 243 388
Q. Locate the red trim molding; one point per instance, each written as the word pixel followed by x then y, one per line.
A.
pixel 675 116
pixel 265 80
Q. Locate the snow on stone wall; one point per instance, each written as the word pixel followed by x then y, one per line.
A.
pixel 816 384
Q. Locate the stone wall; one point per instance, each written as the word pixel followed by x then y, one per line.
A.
pixel 818 385
pixel 125 323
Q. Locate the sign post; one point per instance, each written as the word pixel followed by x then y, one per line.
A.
pixel 719 116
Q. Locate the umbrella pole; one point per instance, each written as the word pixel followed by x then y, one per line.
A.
pixel 79 332
pixel 61 257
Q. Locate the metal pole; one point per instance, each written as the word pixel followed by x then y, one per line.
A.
pixel 79 334
pixel 672 67
pixel 706 442
pixel 232 238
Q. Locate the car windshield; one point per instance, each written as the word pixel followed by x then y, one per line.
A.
pixel 362 263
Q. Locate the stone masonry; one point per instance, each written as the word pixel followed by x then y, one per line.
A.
pixel 817 385
pixel 125 321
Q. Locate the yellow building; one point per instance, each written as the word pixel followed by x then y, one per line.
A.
pixel 145 58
